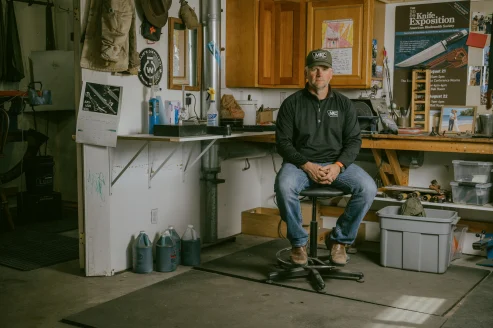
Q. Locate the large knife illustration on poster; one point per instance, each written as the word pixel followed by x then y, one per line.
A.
pixel 432 51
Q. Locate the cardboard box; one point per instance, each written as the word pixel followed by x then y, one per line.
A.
pixel 262 221
pixel 266 115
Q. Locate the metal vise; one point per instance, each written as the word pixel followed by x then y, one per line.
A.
pixel 485 242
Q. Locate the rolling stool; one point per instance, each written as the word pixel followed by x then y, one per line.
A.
pixel 317 267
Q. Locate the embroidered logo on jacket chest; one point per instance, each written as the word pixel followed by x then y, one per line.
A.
pixel 333 113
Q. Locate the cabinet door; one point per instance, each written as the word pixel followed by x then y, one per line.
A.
pixel 266 42
pixel 290 42
pixel 351 60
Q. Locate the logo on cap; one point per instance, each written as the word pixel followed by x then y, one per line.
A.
pixel 320 55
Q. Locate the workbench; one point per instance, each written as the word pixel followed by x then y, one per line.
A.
pixel 393 173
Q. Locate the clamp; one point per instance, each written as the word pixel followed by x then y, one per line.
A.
pixel 485 242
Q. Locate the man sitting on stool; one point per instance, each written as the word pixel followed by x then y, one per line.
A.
pixel 318 137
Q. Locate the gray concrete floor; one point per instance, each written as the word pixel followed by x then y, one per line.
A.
pixel 41 298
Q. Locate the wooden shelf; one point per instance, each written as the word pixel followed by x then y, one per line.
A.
pixel 487 207
pixel 421 88
pixel 150 137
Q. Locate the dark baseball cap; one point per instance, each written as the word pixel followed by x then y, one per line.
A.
pixel 319 57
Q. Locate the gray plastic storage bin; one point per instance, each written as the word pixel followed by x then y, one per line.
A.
pixel 478 194
pixel 416 243
pixel 472 171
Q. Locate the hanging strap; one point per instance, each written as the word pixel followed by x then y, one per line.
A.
pixel 13 54
pixel 2 43
pixel 50 33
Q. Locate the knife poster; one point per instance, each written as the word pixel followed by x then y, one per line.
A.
pixel 99 114
pixel 432 36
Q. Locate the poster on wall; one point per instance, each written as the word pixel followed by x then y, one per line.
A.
pixel 337 37
pixel 432 36
pixel 99 114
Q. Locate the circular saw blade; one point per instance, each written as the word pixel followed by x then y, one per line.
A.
pixel 362 108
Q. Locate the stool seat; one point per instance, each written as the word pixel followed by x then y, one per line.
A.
pixel 322 191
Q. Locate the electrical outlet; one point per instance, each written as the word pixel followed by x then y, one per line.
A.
pixel 154 216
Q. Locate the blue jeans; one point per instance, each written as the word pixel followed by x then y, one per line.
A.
pixel 290 181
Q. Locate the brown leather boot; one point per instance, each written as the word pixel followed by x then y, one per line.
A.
pixel 338 254
pixel 299 256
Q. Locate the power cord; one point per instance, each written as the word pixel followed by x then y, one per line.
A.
pixel 274 163
pixel 189 102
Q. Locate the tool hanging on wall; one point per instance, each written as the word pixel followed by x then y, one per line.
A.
pixel 50 32
pixel 387 75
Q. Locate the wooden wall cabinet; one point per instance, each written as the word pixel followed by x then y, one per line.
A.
pixel 265 43
pixel 361 14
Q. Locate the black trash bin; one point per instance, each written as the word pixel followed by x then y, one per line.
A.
pixel 39 174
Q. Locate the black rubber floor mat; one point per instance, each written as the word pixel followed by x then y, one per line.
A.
pixel 54 226
pixel 207 300
pixel 477 308
pixel 28 250
pixel 410 290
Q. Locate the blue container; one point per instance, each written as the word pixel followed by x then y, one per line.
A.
pixel 142 254
pixel 190 247
pixel 165 253
pixel 153 114
pixel 176 238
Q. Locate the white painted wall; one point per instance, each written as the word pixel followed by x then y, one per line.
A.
pixel 112 224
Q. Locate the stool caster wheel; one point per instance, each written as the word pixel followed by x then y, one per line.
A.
pixel 361 279
pixel 269 281
pixel 272 276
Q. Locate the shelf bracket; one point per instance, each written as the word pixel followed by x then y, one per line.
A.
pixel 152 174
pixel 128 164
pixel 393 168
pixel 187 167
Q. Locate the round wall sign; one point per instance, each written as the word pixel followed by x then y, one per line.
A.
pixel 151 67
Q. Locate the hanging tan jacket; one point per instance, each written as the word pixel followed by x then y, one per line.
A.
pixel 110 43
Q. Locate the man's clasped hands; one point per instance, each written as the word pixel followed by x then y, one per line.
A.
pixel 321 174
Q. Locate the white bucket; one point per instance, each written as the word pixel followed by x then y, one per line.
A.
pixel 250 109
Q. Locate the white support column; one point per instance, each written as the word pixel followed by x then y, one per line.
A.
pixel 97 184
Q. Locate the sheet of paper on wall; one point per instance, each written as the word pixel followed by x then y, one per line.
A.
pixel 99 114
pixel 342 61
pixel 55 70
pixel 337 37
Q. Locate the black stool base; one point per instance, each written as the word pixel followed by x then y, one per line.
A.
pixel 317 267
pixel 315 271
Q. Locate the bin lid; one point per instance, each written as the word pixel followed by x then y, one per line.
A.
pixel 475 163
pixel 432 215
pixel 471 184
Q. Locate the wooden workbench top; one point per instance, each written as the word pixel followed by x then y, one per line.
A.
pixel 446 144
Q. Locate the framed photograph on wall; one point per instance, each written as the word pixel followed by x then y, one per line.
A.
pixel 457 119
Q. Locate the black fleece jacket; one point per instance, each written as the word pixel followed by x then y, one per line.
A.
pixel 320 131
